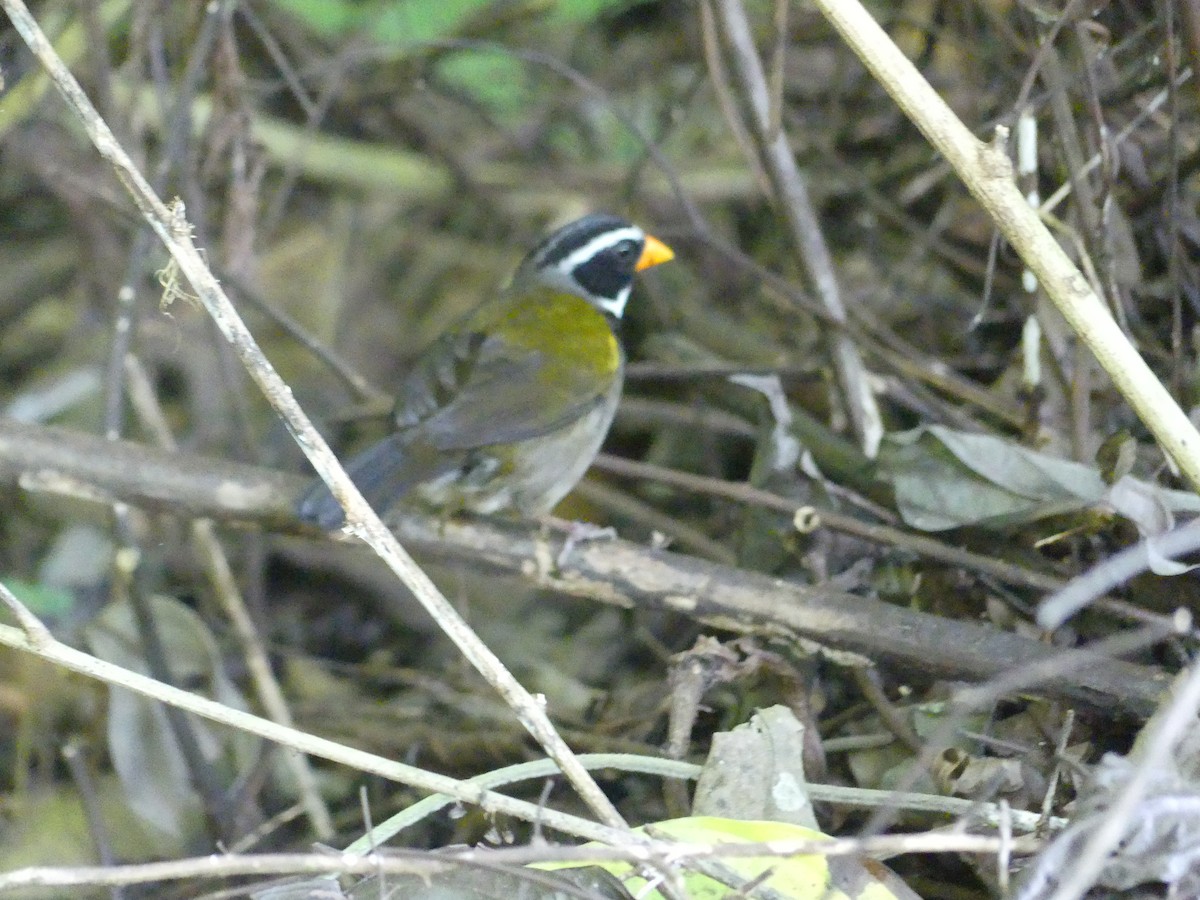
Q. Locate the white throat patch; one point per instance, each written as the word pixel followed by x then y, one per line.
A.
pixel 615 306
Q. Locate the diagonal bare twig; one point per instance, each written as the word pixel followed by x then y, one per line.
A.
pixel 1158 742
pixel 67 462
pixel 171 227
pixel 987 172
pixel 212 555
pixel 59 653
pixel 803 224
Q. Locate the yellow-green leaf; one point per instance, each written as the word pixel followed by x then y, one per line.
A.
pixel 807 877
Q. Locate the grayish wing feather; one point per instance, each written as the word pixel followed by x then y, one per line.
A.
pixel 383 472
pixel 501 398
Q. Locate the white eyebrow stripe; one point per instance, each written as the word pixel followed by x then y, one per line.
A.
pixel 600 242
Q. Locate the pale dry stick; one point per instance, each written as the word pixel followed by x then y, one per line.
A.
pixel 1086 588
pixel 257 835
pixel 1004 857
pixel 421 862
pixel 1157 743
pixel 974 811
pixel 799 214
pixel 212 554
pixel 1060 757
pixel 984 696
pixel 1007 572
pixel 719 78
pixel 987 173
pixel 1055 666
pixel 54 651
pixel 1152 106
pixel 779 42
pixel 172 230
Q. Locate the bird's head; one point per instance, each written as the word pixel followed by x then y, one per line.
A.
pixel 595 258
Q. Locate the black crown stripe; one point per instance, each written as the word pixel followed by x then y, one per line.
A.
pixel 567 240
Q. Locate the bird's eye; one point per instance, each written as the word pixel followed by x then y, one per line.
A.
pixel 625 250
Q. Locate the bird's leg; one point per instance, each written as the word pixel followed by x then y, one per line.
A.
pixel 576 533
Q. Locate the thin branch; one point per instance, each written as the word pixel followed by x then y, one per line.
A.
pixel 229 594
pixel 803 223
pixel 93 667
pixel 429 864
pixel 1178 717
pixel 987 172
pixel 609 571
pixel 1115 571
pixel 174 232
pixel 834 520
pixel 971 810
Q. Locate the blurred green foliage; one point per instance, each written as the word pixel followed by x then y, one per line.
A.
pixel 494 79
pixel 43 601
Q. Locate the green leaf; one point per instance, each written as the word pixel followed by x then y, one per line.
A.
pixel 141 742
pixel 949 479
pixel 330 18
pixel 385 21
pixel 811 877
pixel 494 80
pixel 587 10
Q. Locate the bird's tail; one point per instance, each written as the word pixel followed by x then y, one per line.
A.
pixel 384 473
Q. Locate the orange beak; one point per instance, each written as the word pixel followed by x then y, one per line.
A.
pixel 653 253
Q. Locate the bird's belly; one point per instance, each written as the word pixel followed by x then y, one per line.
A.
pixel 528 477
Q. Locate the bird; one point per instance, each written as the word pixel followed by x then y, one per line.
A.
pixel 505 411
